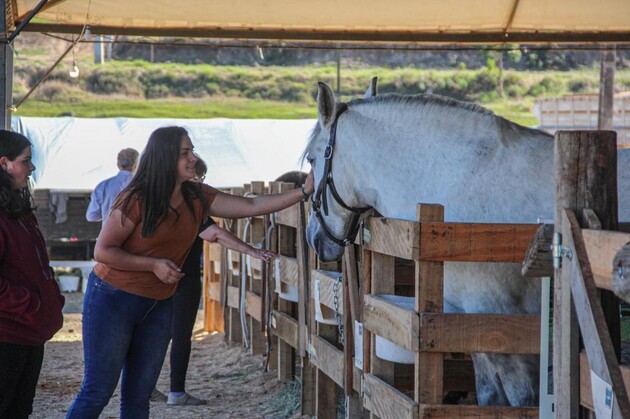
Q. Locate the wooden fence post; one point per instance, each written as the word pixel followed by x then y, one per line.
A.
pixel 585 177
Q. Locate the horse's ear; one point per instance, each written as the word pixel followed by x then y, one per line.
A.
pixel 371 91
pixel 326 105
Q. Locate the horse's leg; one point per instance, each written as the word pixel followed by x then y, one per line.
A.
pixel 520 377
pixel 487 382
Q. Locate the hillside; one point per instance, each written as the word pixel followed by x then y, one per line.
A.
pixel 139 88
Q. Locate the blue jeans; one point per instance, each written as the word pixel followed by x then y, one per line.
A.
pixel 121 332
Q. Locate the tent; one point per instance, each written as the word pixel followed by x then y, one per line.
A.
pixel 74 154
pixel 484 21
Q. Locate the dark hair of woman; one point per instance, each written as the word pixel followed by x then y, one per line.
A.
pixel 154 181
pixel 15 203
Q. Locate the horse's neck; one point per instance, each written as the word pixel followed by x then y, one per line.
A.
pixel 411 156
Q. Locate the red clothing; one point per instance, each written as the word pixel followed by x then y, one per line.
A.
pixel 30 300
pixel 171 240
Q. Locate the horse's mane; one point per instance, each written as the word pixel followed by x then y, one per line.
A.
pixel 424 99
pixel 435 103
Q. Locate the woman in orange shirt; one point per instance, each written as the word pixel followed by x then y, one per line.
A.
pixel 128 309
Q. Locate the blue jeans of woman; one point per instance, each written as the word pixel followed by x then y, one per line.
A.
pixel 121 332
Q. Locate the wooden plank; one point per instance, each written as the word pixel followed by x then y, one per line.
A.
pixel 586 395
pixel 385 401
pixel 233 297
pixel 392 322
pixel 285 327
pixel 597 341
pixel 429 291
pixel 214 252
pixel 585 167
pixel 288 270
pixel 538 258
pixel 601 247
pixel 288 217
pixel 391 237
pixel 327 280
pixel 382 281
pixel 214 291
pixel 253 302
pixel 468 242
pixel 327 358
pixel 477 412
pixel 495 333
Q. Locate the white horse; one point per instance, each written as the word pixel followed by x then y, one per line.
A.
pixel 391 152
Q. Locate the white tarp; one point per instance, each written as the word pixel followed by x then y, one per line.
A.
pixel 76 153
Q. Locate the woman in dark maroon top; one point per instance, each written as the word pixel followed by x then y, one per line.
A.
pixel 30 301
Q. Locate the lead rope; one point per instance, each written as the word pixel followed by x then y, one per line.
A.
pixel 269 343
pixel 243 302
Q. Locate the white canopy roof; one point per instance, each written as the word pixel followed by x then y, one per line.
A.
pixel 485 21
pixel 77 153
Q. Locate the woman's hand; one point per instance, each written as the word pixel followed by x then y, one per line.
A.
pixel 262 254
pixel 167 271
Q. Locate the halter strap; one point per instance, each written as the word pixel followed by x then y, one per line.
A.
pixel 320 198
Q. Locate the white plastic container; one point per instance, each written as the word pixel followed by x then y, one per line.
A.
pixel 68 283
pixel 388 350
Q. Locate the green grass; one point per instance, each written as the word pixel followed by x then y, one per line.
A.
pixel 91 107
pixel 520 111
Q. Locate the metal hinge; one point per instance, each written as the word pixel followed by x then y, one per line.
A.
pixel 559 251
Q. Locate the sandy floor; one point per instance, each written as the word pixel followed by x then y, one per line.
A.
pixel 226 375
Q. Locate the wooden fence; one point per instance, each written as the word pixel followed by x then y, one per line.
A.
pixel 331 319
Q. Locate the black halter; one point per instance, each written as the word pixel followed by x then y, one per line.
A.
pixel 320 197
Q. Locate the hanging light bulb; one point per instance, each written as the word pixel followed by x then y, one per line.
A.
pixel 74 72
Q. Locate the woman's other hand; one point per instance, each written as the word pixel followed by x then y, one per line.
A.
pixel 167 271
pixel 262 254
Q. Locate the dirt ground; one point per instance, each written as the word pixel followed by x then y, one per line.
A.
pixel 232 380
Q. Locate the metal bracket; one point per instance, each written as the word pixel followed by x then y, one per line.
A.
pixel 559 251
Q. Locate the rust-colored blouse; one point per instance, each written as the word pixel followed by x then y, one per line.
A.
pixel 172 240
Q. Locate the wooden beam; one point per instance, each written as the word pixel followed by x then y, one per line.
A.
pixel 477 412
pixel 606 90
pixel 327 358
pixel 429 292
pixel 468 242
pixel 391 237
pixel 233 297
pixel 385 401
pixel 288 270
pixel 327 280
pixel 390 321
pixel 285 327
pixel 288 217
pixel 495 333
pixel 253 305
pixel 597 342
pixel 371 36
pixel 585 165
pixel 214 291
pixel 538 258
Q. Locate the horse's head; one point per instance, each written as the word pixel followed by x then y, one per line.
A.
pixel 336 208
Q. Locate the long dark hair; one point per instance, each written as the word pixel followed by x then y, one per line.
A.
pixel 14 202
pixel 154 181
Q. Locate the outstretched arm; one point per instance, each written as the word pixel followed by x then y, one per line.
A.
pixel 214 233
pixel 232 206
